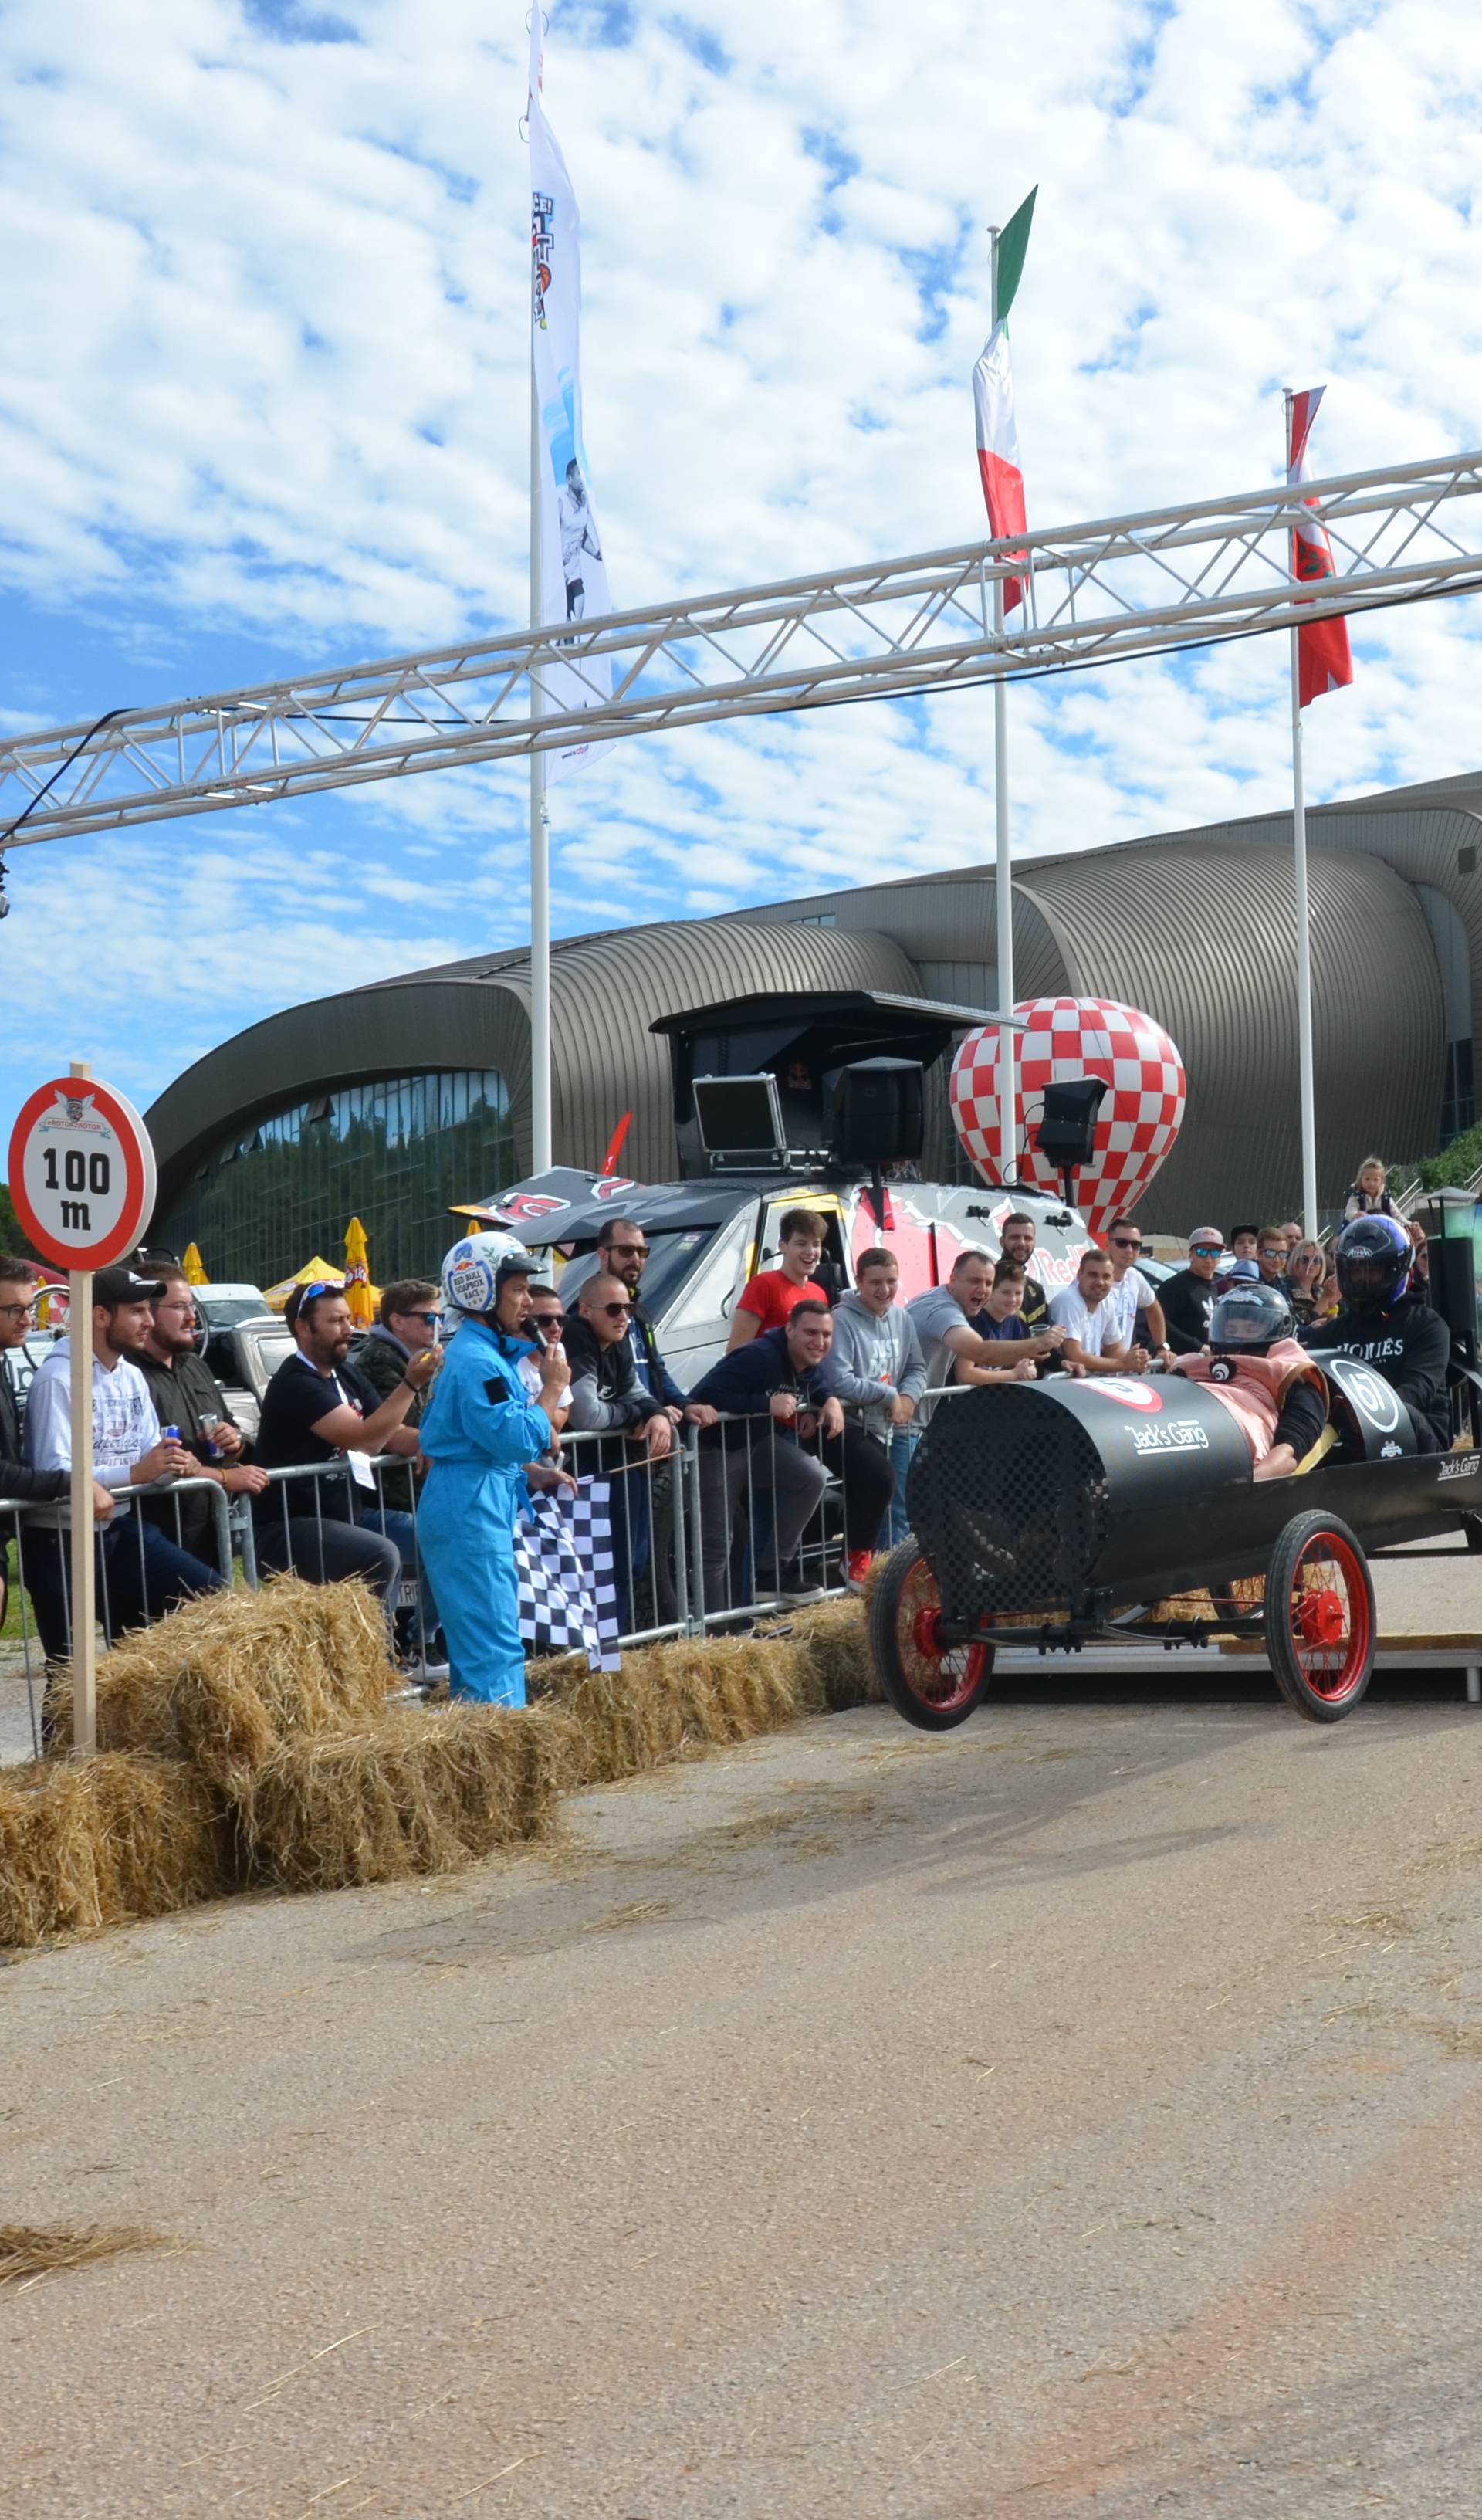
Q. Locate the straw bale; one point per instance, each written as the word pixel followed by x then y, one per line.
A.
pixel 226 1680
pixel 419 1789
pixel 676 1700
pixel 833 1641
pixel 92 1842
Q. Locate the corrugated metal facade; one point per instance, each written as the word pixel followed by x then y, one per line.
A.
pixel 1195 927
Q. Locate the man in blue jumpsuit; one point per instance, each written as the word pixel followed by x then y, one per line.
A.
pixel 478 1430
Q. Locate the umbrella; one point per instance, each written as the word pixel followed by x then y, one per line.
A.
pixel 194 1266
pixel 312 1269
pixel 357 1274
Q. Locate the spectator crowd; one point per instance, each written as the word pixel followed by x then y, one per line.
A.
pixel 403 1458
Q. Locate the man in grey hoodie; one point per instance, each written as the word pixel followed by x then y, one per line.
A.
pixel 880 1371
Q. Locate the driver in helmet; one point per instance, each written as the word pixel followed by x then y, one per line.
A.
pixel 1381 1322
pixel 479 1431
pixel 1268 1383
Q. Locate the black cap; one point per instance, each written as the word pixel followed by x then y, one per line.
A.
pixel 124 1286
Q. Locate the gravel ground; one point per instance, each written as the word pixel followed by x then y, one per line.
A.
pixel 1080 2111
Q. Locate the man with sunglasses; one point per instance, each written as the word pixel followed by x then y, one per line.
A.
pixel 608 1398
pixel 1188 1297
pixel 409 1320
pixel 1131 1292
pixel 320 1407
pixel 622 1248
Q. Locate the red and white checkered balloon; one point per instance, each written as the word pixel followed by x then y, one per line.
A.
pixel 1067 1038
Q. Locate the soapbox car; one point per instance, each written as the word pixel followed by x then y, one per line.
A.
pixel 1048 1513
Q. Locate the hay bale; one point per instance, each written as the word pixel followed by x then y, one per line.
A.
pixel 833 1639
pixel 419 1789
pixel 225 1681
pixel 676 1700
pixel 98 1841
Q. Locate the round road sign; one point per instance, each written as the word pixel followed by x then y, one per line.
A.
pixel 81 1173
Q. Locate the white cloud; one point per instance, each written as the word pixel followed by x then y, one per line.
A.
pixel 265 383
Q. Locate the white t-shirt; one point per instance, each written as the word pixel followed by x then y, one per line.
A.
pixel 1130 1295
pixel 1095 1330
pixel 124 1423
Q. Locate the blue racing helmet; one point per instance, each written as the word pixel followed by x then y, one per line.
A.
pixel 1373 1257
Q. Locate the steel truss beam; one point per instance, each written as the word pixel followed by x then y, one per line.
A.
pixel 1094 594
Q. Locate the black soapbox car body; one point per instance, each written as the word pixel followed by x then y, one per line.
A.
pixel 1050 1514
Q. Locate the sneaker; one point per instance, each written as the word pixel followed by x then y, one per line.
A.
pixel 857 1566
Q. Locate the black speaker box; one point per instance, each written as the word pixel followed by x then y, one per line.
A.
pixel 876 1113
pixel 1066 1132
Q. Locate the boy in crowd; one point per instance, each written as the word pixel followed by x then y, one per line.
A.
pixel 767 1301
pixel 878 1370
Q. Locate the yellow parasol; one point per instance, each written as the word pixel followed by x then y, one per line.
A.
pixel 194 1266
pixel 357 1274
pixel 276 1296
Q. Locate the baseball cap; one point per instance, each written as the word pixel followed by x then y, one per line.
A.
pixel 1244 1269
pixel 124 1286
pixel 1207 1233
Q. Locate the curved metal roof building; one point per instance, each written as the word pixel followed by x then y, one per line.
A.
pixel 411 1093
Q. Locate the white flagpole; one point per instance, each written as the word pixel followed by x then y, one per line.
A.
pixel 1002 871
pixel 1305 1087
pixel 540 832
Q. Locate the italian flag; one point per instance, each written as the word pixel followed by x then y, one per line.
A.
pixel 998 438
pixel 1324 661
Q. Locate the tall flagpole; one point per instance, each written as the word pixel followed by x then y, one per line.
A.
pixel 540 832
pixel 1305 1086
pixel 1003 874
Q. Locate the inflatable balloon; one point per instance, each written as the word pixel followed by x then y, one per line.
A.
pixel 1067 1038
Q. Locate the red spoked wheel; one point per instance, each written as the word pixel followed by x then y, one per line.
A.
pixel 1320 1617
pixel 934 1686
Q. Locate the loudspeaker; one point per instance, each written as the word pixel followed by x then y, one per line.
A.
pixel 876 1113
pixel 1066 1133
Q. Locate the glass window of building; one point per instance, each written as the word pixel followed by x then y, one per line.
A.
pixel 397 1152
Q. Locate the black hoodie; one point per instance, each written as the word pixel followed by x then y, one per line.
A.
pixel 1409 1345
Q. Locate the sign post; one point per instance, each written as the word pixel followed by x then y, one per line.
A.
pixel 82 1180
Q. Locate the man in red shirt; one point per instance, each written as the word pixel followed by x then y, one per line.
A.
pixel 766 1301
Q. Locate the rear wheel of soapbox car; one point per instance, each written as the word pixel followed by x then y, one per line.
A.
pixel 1320 1617
pixel 932 1685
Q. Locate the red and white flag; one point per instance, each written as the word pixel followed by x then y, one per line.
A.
pixel 1324 661
pixel 998 448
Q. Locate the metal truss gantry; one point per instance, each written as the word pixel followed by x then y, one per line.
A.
pixel 1094 594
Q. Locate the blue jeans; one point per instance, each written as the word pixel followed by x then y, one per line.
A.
pixel 896 1526
pixel 140 1576
pixel 397 1525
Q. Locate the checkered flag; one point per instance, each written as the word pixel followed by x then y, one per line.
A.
pixel 564 1562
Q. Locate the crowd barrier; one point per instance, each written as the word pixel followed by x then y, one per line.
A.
pixel 728 1523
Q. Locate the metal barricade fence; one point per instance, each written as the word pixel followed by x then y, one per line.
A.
pixel 728 1523
pixel 143 1568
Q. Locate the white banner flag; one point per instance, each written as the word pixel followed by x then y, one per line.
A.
pixel 573 572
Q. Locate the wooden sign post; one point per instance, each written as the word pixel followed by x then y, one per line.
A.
pixel 82 1179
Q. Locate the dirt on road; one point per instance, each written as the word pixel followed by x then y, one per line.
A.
pixel 1080 2112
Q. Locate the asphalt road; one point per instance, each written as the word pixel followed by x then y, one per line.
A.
pixel 1077 2113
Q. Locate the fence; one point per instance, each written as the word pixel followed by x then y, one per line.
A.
pixel 717 1525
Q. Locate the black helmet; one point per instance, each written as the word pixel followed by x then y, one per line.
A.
pixel 1373 1257
pixel 1250 1319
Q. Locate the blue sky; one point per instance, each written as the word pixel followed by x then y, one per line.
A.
pixel 264 402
